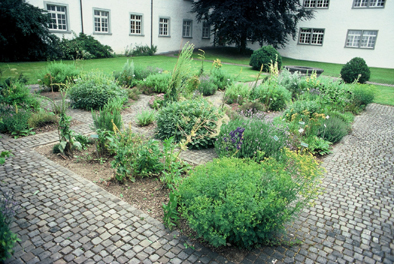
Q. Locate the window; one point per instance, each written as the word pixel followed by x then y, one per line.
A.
pixel 206 30
pixel 316 3
pixel 368 3
pixel 187 29
pixel 364 39
pixel 135 24
pixel 311 36
pixel 164 27
pixel 101 21
pixel 58 17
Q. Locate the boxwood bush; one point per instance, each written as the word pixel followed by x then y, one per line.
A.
pixel 265 55
pixel 353 68
pixel 195 118
pixel 245 203
pixel 94 90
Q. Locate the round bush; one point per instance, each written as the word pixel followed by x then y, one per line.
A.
pixel 206 87
pixel 245 203
pixel 353 68
pixel 57 74
pixel 363 95
pixel 94 90
pixel 334 129
pixel 265 55
pixel 195 118
pixel 258 140
pixel 274 96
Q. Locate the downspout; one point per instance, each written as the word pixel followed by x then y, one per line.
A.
pixel 80 3
pixel 151 23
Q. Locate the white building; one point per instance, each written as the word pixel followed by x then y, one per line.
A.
pixel 166 24
pixel 341 29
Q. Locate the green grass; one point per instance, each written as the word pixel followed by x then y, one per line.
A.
pixel 32 70
pixel 230 55
pixel 384 95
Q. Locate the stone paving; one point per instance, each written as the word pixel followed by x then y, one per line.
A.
pixel 67 219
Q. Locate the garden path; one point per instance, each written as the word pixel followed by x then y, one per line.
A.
pixel 67 219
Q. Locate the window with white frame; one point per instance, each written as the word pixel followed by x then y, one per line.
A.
pixel 135 24
pixel 164 27
pixel 206 30
pixel 101 21
pixel 58 17
pixel 364 39
pixel 311 36
pixel 316 3
pixel 368 3
pixel 187 29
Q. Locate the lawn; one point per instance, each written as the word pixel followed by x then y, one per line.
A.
pixel 384 95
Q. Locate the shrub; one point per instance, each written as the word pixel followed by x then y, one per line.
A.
pixel 334 129
pixel 362 95
pixel 237 93
pixel 126 77
pixel 15 123
pixel 142 73
pixel 156 101
pixel 157 83
pixel 334 94
pixel 265 56
pixel 291 81
pixel 145 118
pixel 259 140
pixel 272 95
pixel 196 118
pixel 245 203
pixel 14 92
pixel 133 93
pixel 221 78
pixel 94 90
pixel 148 158
pixel 301 107
pixel 206 86
pixel 355 69
pixel 140 50
pixel 251 108
pixel 41 118
pixel 57 74
pixel 107 117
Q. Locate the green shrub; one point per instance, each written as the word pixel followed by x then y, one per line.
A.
pixel 334 94
pixel 15 92
pixel 145 118
pixel 251 108
pixel 265 56
pixel 237 93
pixel 206 86
pixel 148 158
pixel 106 118
pixel 334 129
pixel 126 77
pixel 220 78
pixel 347 117
pixel 156 101
pixel 291 81
pixel 157 83
pixel 143 72
pixel 245 203
pixel 355 69
pixel 140 50
pixel 302 108
pixel 41 118
pixel 195 118
pixel 362 95
pixel 15 123
pixel 259 139
pixel 272 95
pixel 57 74
pixel 133 93
pixel 94 90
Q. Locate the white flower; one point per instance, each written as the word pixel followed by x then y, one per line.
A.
pixel 301 130
pixel 327 117
pixel 325 125
pixel 133 75
pixel 228 79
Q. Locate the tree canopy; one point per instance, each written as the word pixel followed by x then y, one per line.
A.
pixel 23 33
pixel 269 22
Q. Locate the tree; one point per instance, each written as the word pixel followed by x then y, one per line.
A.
pixel 24 33
pixel 265 21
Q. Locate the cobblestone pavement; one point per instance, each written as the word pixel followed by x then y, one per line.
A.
pixel 67 219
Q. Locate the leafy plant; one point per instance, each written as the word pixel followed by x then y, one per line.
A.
pixel 291 81
pixel 265 56
pixel 148 158
pixel 133 93
pixel 333 129
pixel 272 95
pixel 58 74
pixel 107 118
pixel 143 50
pixel 355 70
pixel 15 92
pixel 300 107
pixel 157 83
pixel 94 90
pixel 126 77
pixel 220 77
pixel 145 118
pixel 245 203
pixel 156 101
pixel 171 215
pixel 206 86
pixel 3 155
pixel 363 95
pixel 237 93
pixel 41 118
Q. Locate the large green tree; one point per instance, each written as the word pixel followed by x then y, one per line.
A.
pixel 24 32
pixel 265 21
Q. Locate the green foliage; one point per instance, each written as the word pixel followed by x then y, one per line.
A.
pixel 126 77
pixel 83 140
pixel 245 203
pixel 237 93
pixel 157 83
pixel 41 118
pixel 140 50
pixel 334 129
pixel 26 36
pixel 84 47
pixel 7 239
pixel 105 118
pixel 302 107
pixel 291 81
pixel 265 56
pixel 259 140
pixel 221 78
pixel 15 122
pixel 251 108
pixel 272 95
pixel 156 101
pixel 3 155
pixel 171 217
pixel 146 118
pixel 15 92
pixel 147 160
pixel 58 74
pixel 355 70
pixel 206 86
pixel 362 95
pixel 94 90
pixel 133 93
pixel 195 118
pixel 142 73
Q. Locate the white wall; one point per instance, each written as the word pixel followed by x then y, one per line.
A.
pixel 120 10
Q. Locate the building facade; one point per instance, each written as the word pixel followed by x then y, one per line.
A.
pixel 123 24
